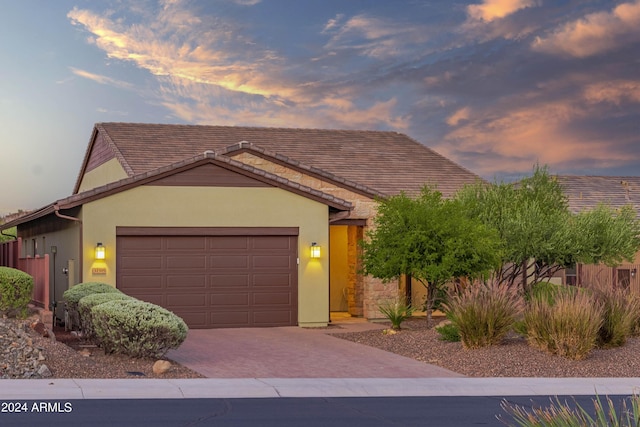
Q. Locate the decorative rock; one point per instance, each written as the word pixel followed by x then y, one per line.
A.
pixel 85 352
pixel 44 371
pixel 19 358
pixel 161 366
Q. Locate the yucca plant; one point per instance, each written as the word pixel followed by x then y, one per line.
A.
pixel 396 310
pixel 483 313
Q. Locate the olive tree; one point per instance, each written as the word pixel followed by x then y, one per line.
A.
pixel 540 234
pixel 431 239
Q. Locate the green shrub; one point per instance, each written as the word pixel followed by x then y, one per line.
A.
pixel 483 314
pixel 619 313
pixel 568 327
pixel 137 328
pixel 549 291
pixel 560 414
pixel 87 303
pixel 16 290
pixel 396 310
pixel 448 332
pixel 72 297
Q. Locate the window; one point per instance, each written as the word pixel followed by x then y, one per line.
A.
pixel 570 276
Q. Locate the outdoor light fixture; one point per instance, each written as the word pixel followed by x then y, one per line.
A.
pixel 100 251
pixel 315 250
pixel 633 272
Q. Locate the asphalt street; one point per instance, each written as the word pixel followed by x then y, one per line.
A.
pixel 456 411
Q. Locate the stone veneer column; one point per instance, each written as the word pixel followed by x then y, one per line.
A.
pixel 355 285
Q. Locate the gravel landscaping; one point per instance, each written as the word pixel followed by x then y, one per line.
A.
pixel 27 354
pixel 514 358
pixel 24 352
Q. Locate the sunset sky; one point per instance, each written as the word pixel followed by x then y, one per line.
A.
pixel 495 85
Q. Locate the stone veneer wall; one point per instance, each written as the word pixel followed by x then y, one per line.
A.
pixel 364 292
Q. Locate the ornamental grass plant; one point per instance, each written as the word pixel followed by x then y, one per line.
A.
pixel 567 327
pixel 620 311
pixel 483 313
pixel 562 414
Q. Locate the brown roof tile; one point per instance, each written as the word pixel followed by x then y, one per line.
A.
pixel 387 162
pixel 585 192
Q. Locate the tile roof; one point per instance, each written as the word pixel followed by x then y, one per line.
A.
pixel 585 192
pixel 385 162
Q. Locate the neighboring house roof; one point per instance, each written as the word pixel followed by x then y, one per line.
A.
pixel 172 169
pixel 383 162
pixel 585 192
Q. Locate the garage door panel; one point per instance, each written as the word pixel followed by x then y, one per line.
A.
pixel 213 281
pixel 229 280
pixel 142 245
pixel 141 262
pixel 230 319
pixel 271 298
pixel 230 299
pixel 195 319
pixel 194 281
pixel 268 242
pixel 186 243
pixel 271 261
pixel 187 262
pixel 268 279
pixel 230 261
pixel 140 281
pixel 229 243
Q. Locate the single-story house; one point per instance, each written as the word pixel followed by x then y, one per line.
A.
pixel 585 193
pixel 231 226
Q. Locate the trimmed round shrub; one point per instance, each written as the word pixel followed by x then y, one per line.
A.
pixel 137 328
pixel 72 297
pixel 87 303
pixel 16 289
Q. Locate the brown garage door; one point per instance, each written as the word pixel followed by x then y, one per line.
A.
pixel 214 281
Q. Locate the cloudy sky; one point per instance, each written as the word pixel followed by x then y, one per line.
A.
pixel 496 85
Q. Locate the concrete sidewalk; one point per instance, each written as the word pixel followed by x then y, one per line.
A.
pixel 67 389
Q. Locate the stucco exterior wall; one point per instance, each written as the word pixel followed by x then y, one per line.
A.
pixel 106 173
pixel 155 206
pixel 64 235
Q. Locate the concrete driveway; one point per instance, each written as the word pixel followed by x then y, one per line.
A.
pixel 292 352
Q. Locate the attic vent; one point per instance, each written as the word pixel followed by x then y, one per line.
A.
pixel 243 143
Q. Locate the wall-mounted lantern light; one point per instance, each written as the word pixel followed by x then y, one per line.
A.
pixel 633 272
pixel 315 250
pixel 100 251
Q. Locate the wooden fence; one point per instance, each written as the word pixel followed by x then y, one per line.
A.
pixel 37 267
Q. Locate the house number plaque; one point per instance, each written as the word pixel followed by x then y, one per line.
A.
pixel 99 270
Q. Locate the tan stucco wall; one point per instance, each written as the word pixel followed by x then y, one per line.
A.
pixel 106 173
pixel 154 206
